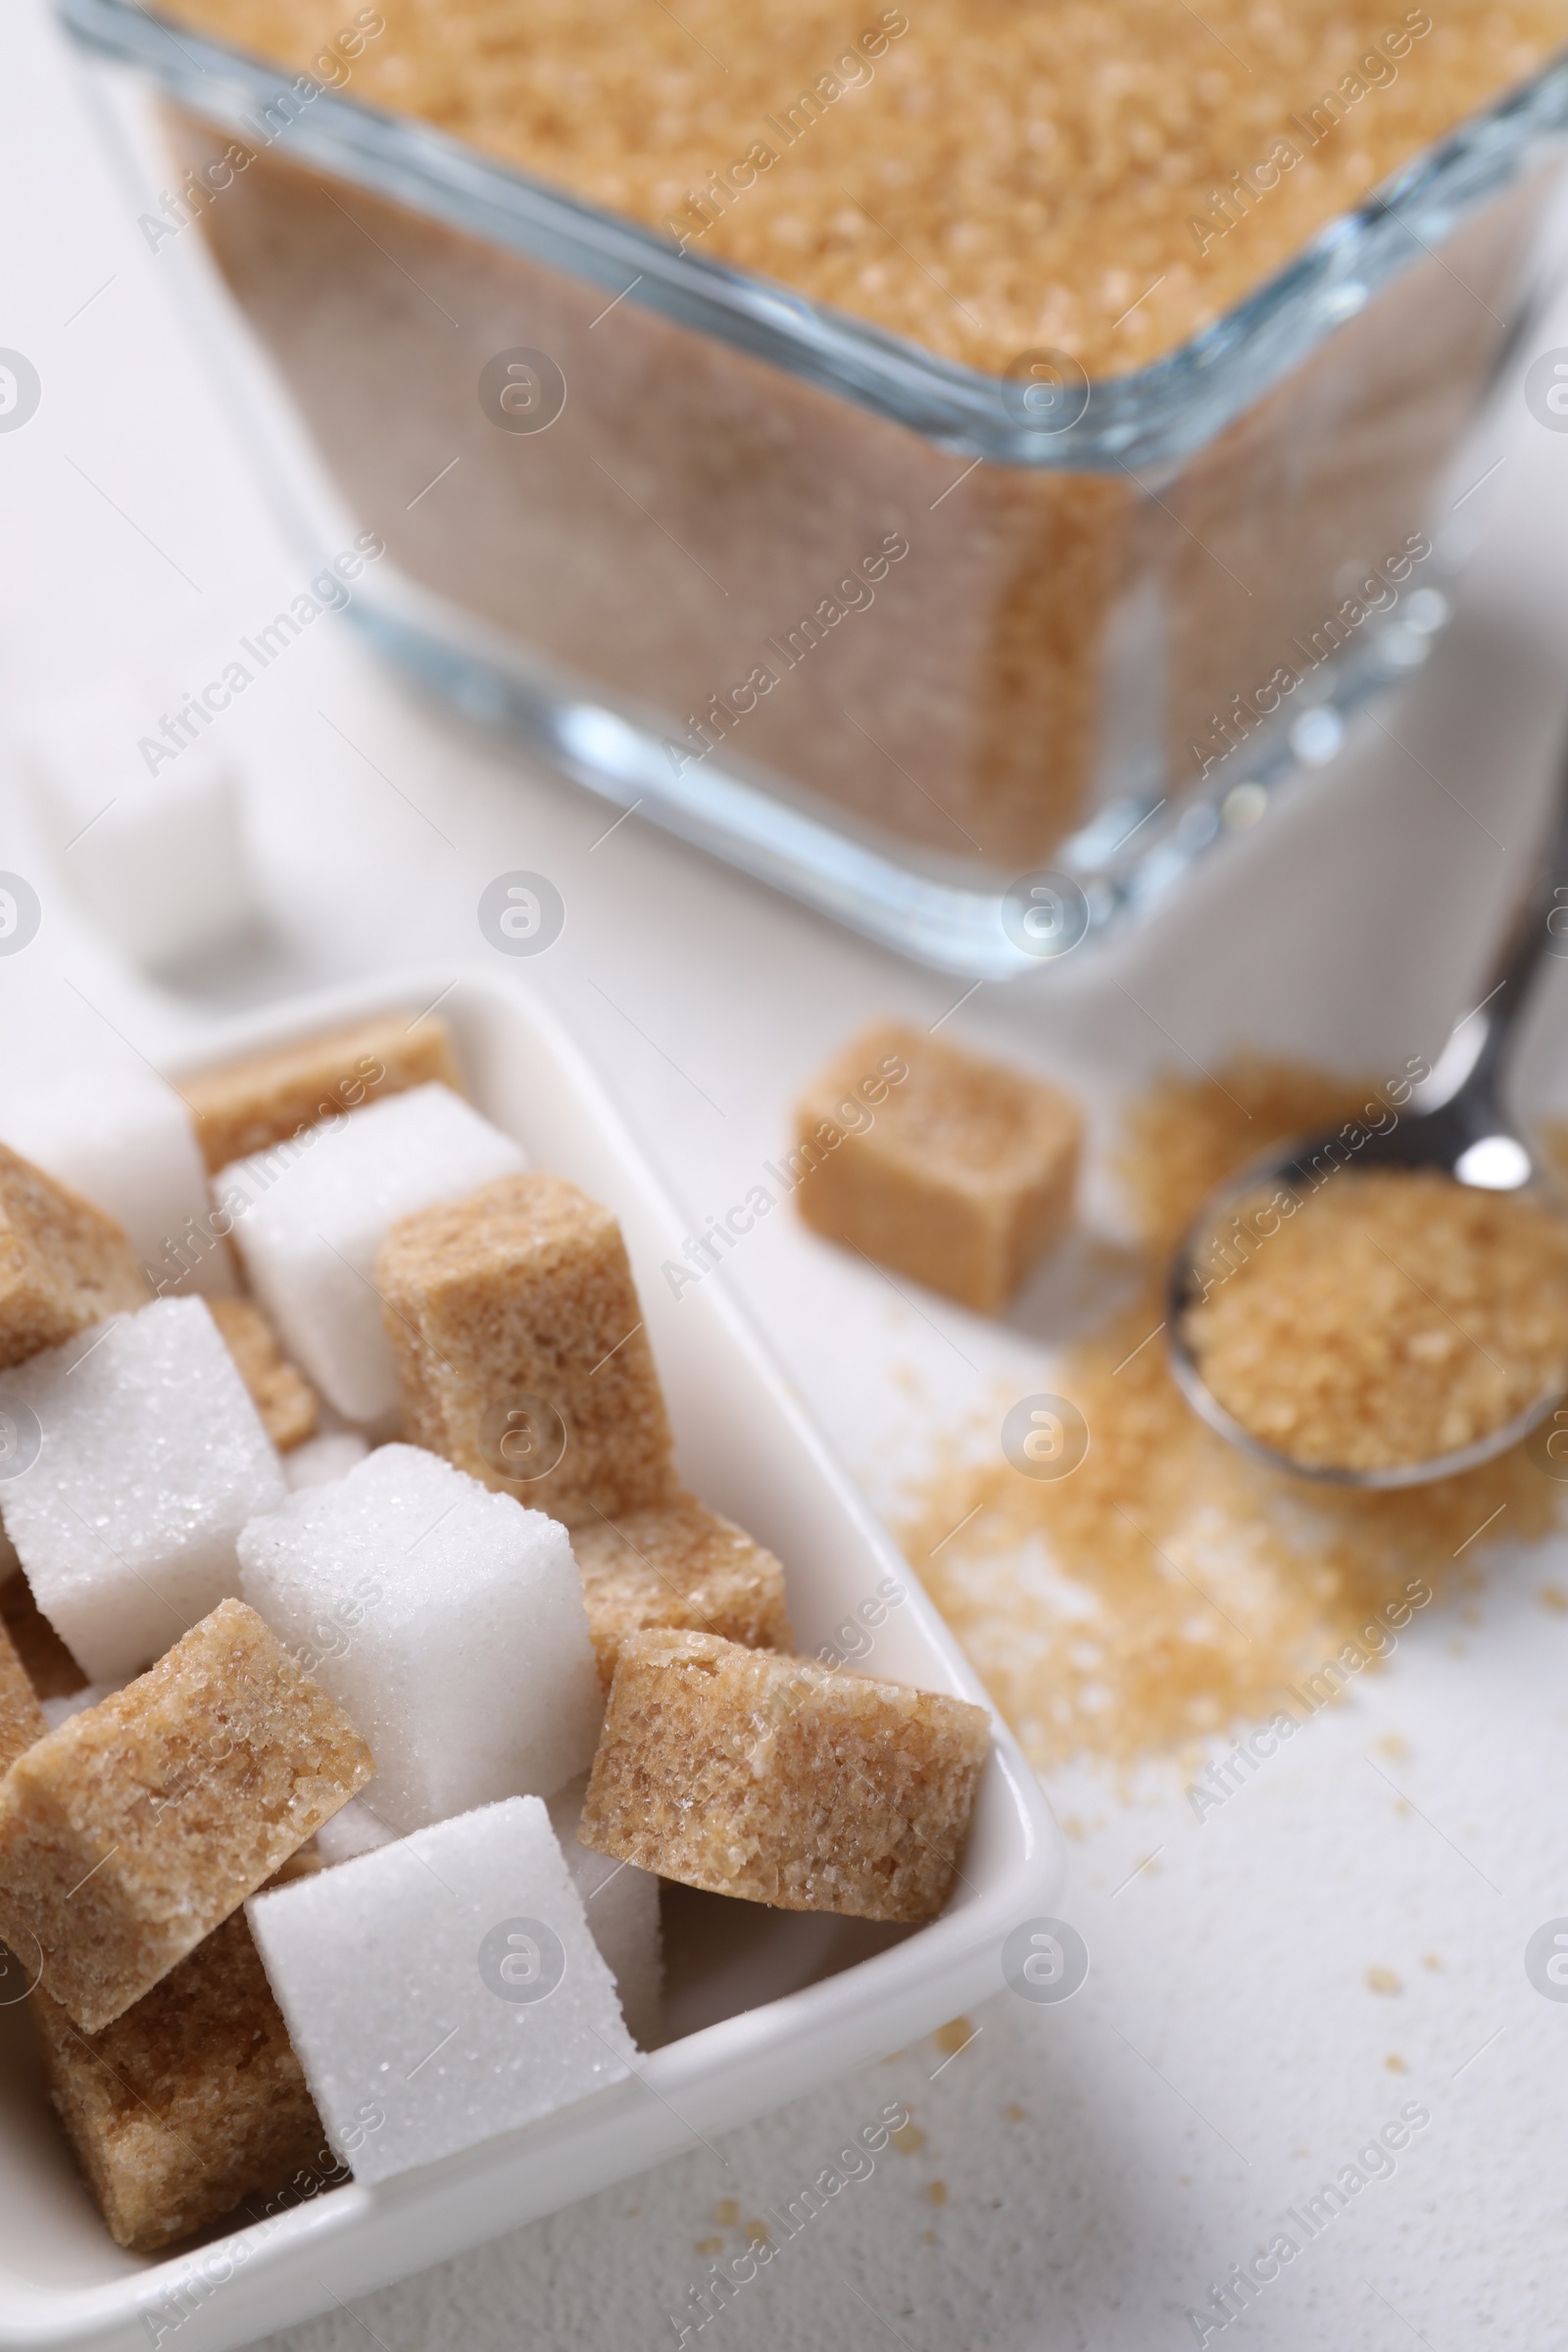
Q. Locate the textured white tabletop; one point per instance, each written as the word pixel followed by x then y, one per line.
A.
pixel 1087 2173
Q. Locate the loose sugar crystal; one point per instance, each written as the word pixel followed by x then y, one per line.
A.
pixel 931 1160
pixel 152 1458
pixel 63 1264
pixel 284 1401
pixel 787 1783
pixel 677 1563
pixel 123 1139
pixel 448 1621
pixel 444 1990
pixel 622 1906
pixel 21 1717
pixel 520 1349
pixel 247 1106
pixel 189 2103
pixel 310 1214
pixel 322 1461
pixel 129 1832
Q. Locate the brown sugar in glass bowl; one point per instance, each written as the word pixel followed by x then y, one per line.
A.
pixel 800 522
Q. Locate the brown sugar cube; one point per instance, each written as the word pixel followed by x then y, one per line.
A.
pixel 945 1167
pixel 783 1781
pixel 677 1564
pixel 129 1832
pixel 22 1718
pixel 282 1395
pixel 247 1106
pixel 49 1665
pixel 63 1264
pixel 520 1349
pixel 190 2101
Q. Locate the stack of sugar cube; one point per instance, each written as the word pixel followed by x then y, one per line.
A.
pixel 368 1650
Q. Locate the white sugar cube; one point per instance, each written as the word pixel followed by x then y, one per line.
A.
pixel 448 1623
pixel 354 1829
pixel 124 1138
pixel 322 1460
pixel 442 1990
pixel 150 1459
pixel 310 1214
pixel 621 1904
pixel 143 815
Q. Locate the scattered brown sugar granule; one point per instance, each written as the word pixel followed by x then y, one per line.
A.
pixel 1395 1317
pixel 282 1395
pixel 247 1106
pixel 677 1564
pixel 1170 1586
pixel 981 178
pixel 772 1778
pixel 190 2101
pixel 131 1831
pixel 934 1161
pixel 22 1718
pixel 63 1264
pixel 51 1669
pixel 520 1349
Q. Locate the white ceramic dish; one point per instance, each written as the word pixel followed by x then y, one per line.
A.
pixel 764 2005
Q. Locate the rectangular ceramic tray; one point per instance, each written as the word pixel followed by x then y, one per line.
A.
pixel 764 2004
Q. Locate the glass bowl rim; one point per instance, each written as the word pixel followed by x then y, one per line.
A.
pixel 1153 416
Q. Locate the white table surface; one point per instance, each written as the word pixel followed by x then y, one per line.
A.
pixel 1226 2052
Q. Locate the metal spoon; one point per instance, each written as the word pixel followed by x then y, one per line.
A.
pixel 1454 1123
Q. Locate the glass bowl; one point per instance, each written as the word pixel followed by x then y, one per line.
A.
pixel 978 664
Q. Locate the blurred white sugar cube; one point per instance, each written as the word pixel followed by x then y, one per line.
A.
pixel 322 1461
pixel 447 1621
pixel 310 1214
pixel 124 1137
pixel 142 812
pixel 621 1905
pixel 151 1457
pixel 442 1990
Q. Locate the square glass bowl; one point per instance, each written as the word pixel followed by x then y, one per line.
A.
pixel 763 2005
pixel 976 664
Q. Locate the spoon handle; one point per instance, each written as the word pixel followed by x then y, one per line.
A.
pixel 1538 928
